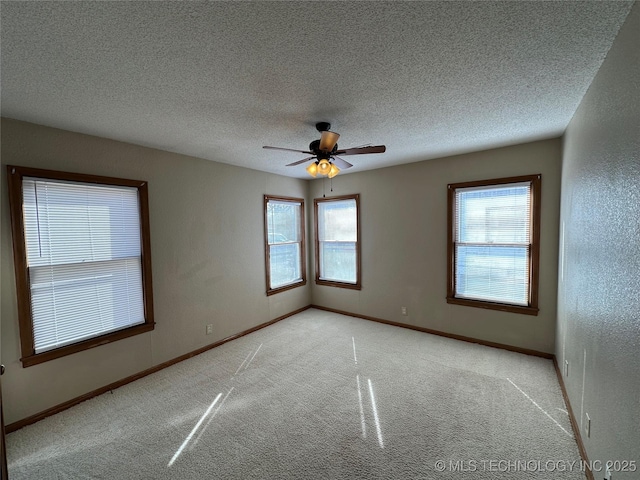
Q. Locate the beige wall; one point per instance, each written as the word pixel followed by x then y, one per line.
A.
pixel 208 255
pixel 599 282
pixel 207 252
pixel 404 244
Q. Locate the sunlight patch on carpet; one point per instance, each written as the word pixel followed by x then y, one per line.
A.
pixel 540 408
pixel 247 358
pixel 375 414
pixel 362 422
pixel 355 357
pixel 195 429
pixel 212 417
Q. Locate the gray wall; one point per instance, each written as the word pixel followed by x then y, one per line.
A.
pixel 599 278
pixel 404 244
pixel 207 252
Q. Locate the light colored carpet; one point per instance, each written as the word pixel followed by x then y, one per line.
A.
pixel 318 395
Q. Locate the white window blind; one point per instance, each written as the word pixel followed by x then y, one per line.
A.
pixel 493 237
pixel 84 260
pixel 285 242
pixel 337 240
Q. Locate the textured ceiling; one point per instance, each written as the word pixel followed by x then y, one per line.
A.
pixel 219 80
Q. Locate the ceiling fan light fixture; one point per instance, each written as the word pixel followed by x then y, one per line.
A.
pixel 324 167
pixel 333 171
pixel 313 169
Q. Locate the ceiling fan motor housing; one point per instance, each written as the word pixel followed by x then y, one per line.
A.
pixel 315 148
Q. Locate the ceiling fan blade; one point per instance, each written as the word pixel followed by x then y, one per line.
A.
pixel 287 149
pixel 299 162
pixel 328 140
pixel 340 163
pixel 362 150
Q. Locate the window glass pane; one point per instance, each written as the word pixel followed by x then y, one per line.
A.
pixel 493 273
pixel 338 221
pixel 285 243
pixel 283 221
pixel 74 302
pixel 338 261
pixel 337 240
pixel 494 244
pixel 284 264
pixel 493 215
pixel 68 222
pixel 83 245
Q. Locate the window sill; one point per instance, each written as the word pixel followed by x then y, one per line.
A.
pixel 333 283
pixel 503 307
pixel 286 287
pixel 37 358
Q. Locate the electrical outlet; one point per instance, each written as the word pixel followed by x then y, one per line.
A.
pixel 587 425
pixel 403 310
pixel 209 329
pixel 566 368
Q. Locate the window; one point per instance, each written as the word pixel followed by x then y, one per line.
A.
pixel 494 244
pixel 82 261
pixel 284 243
pixel 338 241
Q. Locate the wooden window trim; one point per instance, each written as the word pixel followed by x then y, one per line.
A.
pixel 267 251
pixel 534 260
pixel 15 176
pixel 333 283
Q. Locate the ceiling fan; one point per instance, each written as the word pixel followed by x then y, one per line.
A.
pixel 325 152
